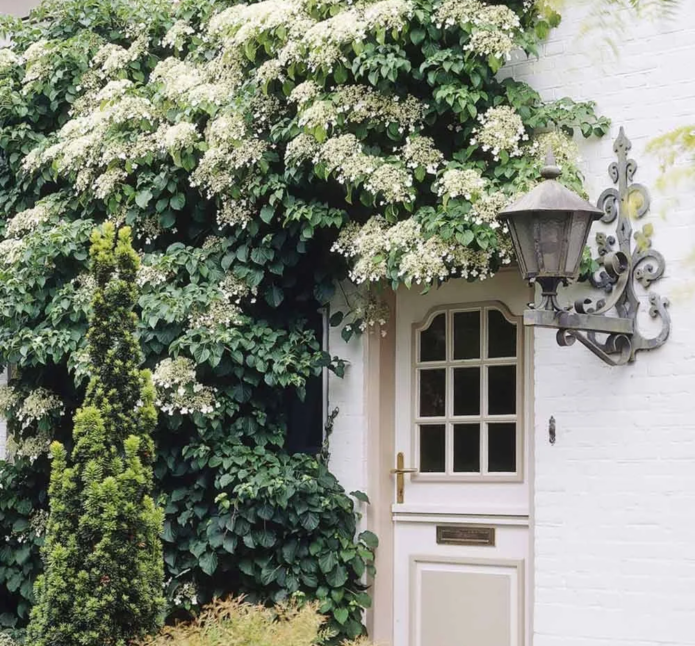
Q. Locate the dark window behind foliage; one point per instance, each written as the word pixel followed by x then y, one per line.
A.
pixel 306 418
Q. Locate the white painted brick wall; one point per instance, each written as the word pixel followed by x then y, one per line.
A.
pixel 615 497
pixel 348 442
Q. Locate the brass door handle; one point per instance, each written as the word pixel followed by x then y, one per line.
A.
pixel 400 472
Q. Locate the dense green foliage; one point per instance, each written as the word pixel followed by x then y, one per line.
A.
pixel 103 559
pixel 261 154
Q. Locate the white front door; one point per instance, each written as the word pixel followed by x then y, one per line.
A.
pixel 461 518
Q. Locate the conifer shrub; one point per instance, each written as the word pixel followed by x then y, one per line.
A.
pixel 103 562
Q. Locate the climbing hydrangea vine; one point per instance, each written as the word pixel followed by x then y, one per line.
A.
pixel 261 153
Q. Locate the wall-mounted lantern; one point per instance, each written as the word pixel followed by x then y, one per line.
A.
pixel 550 227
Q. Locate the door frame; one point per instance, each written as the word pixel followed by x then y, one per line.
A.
pixel 380 403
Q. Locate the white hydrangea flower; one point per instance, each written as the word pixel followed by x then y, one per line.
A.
pixel 105 184
pixel 302 148
pixel 8 399
pixel 421 152
pixel 493 27
pixel 178 389
pixel 305 92
pixel 11 250
pixel 360 104
pixel 177 34
pixel 235 213
pixel 37 405
pixel 178 136
pixel 8 60
pixel 456 182
pixel 501 129
pixel 392 183
pixel 28 220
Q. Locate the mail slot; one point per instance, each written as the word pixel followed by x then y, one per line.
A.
pixel 465 535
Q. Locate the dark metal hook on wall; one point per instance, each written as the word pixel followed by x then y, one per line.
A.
pixel 551 430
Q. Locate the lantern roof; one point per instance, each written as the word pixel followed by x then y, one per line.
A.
pixel 550 196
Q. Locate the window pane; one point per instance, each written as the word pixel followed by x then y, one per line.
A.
pixel 432 393
pixel 466 391
pixel 433 448
pixel 501 336
pixel 501 390
pixel 467 448
pixel 433 340
pixel 501 447
pixel 467 335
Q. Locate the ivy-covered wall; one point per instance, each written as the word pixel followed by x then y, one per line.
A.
pixel 261 153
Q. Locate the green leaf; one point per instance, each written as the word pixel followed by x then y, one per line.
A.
pixel 327 562
pixel 360 496
pixel 267 213
pixel 177 202
pixel 369 539
pixel 142 198
pixel 208 563
pixel 274 296
pixel 341 615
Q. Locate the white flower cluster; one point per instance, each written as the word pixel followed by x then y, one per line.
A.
pixel 38 61
pixel 421 152
pixel 151 274
pixel 320 114
pixel 8 399
pixel 224 311
pixel 467 183
pixel 323 43
pixel 28 220
pixel 501 129
pixel 218 313
pixel 177 137
pixel 305 92
pixel 391 183
pixel 8 60
pixel 213 172
pixel 235 290
pixel 111 58
pixel 493 27
pixel 193 85
pixel 85 287
pixel 177 34
pixel 486 208
pixel 417 259
pixel 344 156
pixel 187 594
pixel 359 104
pixel 38 522
pixel 372 311
pixel 302 148
pixel 242 23
pixel 29 447
pixel 38 404
pixel 113 90
pixel 235 213
pixel 105 184
pixel 83 145
pixel 178 390
pixel 11 250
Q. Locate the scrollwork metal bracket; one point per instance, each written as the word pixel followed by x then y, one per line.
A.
pixel 608 325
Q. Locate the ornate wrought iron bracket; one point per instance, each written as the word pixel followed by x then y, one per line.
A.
pixel 614 315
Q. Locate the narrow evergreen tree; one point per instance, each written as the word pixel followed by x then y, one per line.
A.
pixel 102 584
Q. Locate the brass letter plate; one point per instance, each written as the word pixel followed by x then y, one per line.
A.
pixel 465 535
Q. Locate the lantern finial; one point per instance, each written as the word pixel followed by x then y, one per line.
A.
pixel 551 170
